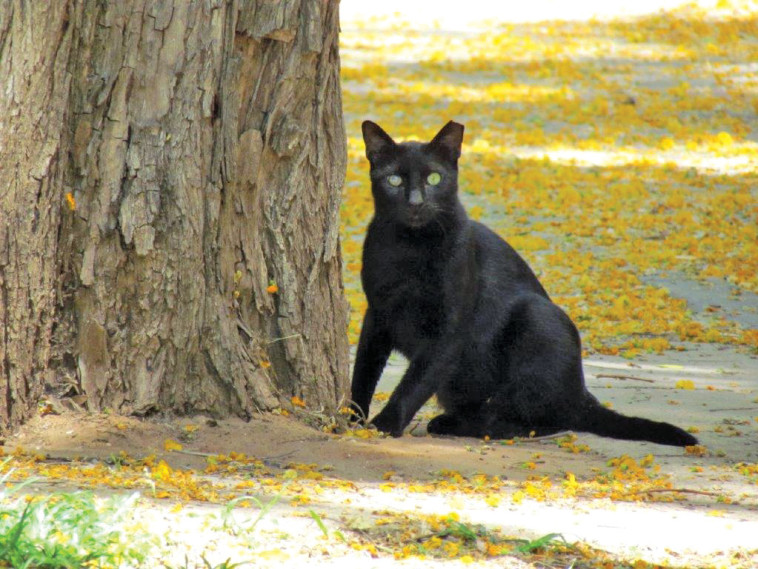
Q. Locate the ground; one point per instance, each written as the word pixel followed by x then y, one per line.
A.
pixel 636 501
pixel 618 156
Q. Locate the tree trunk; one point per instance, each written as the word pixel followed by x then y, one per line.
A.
pixel 163 165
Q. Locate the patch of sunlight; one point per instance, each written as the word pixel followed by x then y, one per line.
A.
pixel 501 91
pixel 450 14
pixel 702 161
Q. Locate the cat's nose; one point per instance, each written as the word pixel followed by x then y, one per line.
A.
pixel 416 198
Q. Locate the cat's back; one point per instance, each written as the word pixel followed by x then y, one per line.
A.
pixel 501 268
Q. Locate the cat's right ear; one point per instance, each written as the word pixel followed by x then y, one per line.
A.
pixel 377 141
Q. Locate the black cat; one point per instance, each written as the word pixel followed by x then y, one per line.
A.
pixel 467 311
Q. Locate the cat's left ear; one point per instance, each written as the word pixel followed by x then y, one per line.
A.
pixel 449 140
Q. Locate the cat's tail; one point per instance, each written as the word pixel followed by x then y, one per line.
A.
pixel 602 421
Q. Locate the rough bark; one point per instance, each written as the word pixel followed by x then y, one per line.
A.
pixel 165 163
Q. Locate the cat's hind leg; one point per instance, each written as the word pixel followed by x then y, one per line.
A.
pixel 462 426
pixel 453 425
pixel 504 429
pixel 463 420
pixel 540 383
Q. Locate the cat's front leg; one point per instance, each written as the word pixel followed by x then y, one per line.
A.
pixel 426 372
pixel 374 348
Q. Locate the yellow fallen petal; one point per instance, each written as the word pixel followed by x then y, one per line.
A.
pixel 274 554
pixel 170 445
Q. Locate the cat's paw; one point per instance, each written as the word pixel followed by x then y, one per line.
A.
pixel 443 425
pixel 388 422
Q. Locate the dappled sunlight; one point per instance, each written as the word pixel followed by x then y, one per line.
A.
pixel 400 517
pixel 431 91
pixel 606 152
pixel 620 158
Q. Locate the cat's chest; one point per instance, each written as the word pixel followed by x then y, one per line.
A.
pixel 407 293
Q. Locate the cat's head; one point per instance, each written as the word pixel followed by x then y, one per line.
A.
pixel 414 183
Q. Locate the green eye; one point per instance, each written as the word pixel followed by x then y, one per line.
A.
pixel 434 178
pixel 395 180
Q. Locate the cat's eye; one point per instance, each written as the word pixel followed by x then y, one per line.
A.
pixel 395 180
pixel 434 178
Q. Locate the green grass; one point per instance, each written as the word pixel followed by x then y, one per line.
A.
pixel 69 530
pixel 235 527
pixel 325 530
pixel 541 543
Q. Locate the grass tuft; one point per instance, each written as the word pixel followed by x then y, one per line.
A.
pixel 66 530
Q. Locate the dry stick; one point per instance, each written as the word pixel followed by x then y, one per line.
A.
pixel 365 535
pixel 681 491
pixel 207 454
pixel 734 409
pixel 277 456
pixel 275 340
pixel 196 453
pixel 615 376
pixel 541 438
pixel 416 426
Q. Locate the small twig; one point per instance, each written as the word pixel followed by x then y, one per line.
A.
pixel 275 340
pixel 734 409
pixel 267 460
pixel 64 460
pixel 364 534
pixel 680 491
pixel 196 453
pixel 423 538
pixel 616 376
pixel 277 456
pixel 416 426
pixel 315 438
pixel 541 438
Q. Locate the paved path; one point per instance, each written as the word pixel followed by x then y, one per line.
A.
pixel 721 405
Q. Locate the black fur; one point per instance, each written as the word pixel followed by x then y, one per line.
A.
pixel 467 311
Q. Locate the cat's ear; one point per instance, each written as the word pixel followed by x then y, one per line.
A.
pixel 377 141
pixel 449 140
